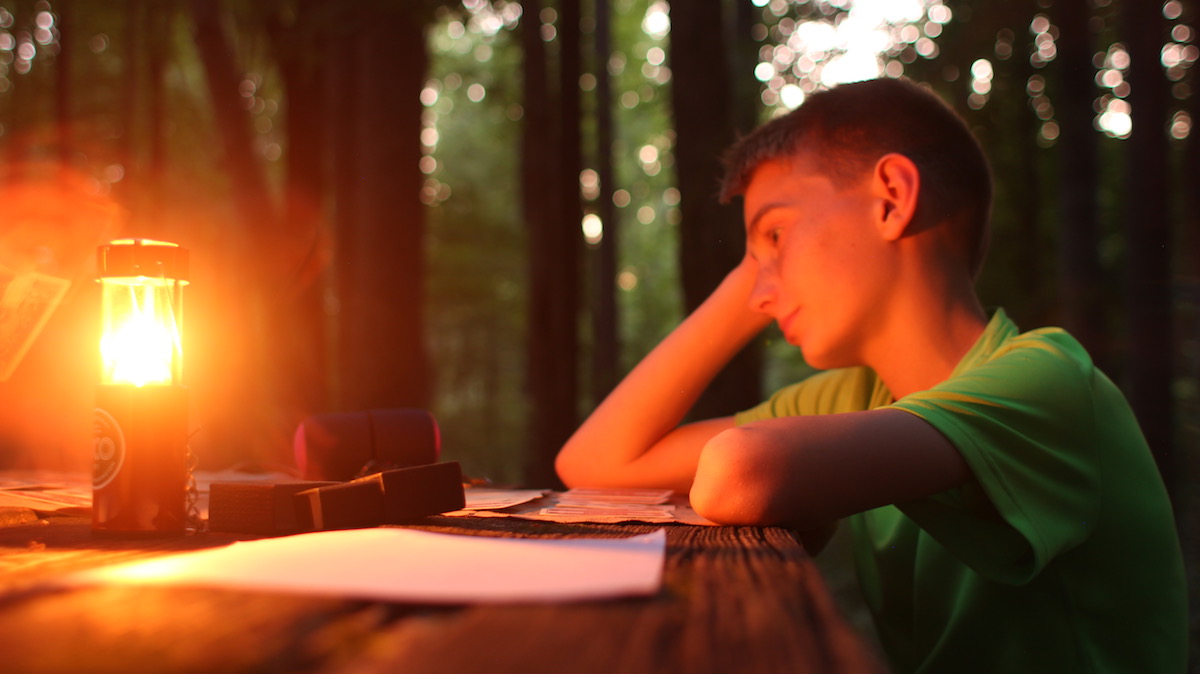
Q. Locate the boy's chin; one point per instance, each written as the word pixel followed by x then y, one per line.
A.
pixel 824 359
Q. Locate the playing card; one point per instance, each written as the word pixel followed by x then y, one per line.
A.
pixel 27 300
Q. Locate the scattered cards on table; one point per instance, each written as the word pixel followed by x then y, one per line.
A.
pixel 633 503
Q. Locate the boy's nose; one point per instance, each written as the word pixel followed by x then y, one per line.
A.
pixel 762 297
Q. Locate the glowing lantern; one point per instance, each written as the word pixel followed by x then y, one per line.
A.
pixel 140 454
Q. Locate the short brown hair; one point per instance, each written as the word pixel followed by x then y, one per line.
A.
pixel 849 127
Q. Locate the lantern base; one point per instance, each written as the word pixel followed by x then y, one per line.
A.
pixel 140 461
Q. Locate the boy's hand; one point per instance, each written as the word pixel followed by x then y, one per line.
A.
pixel 633 439
pixel 740 284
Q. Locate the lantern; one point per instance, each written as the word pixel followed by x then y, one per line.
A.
pixel 140 461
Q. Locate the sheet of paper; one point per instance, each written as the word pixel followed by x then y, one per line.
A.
pixel 412 566
pixel 482 498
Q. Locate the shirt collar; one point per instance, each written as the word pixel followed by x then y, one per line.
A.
pixel 999 330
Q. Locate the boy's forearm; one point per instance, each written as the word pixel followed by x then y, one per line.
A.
pixel 615 445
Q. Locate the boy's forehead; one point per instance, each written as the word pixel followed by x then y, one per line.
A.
pixel 779 174
pixel 783 182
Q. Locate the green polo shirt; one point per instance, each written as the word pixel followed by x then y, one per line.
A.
pixel 1060 556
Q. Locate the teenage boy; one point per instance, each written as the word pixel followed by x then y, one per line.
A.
pixel 1006 512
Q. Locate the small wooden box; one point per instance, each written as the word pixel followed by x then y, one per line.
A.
pixel 389 497
pixel 260 507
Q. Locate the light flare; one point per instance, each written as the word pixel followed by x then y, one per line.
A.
pixel 139 347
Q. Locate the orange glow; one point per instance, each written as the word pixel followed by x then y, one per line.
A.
pixel 141 341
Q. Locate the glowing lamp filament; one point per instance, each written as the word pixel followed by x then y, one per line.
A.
pixel 141 342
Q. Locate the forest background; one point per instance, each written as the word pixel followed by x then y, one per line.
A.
pixel 491 209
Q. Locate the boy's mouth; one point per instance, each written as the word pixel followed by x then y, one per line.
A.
pixel 786 320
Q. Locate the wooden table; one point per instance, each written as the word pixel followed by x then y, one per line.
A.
pixel 735 599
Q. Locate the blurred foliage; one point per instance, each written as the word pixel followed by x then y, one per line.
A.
pixel 478 254
pixel 476 241
pixel 993 61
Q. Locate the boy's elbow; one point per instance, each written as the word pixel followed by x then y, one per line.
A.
pixel 578 465
pixel 729 486
pixel 742 479
pixel 570 472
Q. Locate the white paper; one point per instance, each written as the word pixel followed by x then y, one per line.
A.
pixel 479 498
pixel 412 566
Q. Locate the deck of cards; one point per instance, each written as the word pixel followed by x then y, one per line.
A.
pixel 642 504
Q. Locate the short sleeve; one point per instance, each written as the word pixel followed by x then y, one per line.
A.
pixel 828 392
pixel 1023 421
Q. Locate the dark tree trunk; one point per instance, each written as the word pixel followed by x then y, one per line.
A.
pixel 1033 299
pixel 162 16
pixel 555 241
pixel 341 104
pixel 1148 236
pixel 1188 179
pixel 1081 284
pixel 21 109
pixel 537 207
pixel 566 279
pixel 303 356
pixel 711 235
pixel 249 270
pixel 1187 184
pixel 245 173
pixel 743 59
pixel 384 361
pixel 1187 413
pixel 135 181
pixel 62 81
pixel 606 366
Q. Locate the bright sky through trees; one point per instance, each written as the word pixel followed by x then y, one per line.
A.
pixel 840 41
pixel 813 44
pixel 803 46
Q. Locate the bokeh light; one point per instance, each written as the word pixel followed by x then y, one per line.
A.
pixel 819 44
pixel 593 229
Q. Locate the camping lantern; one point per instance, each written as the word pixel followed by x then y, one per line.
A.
pixel 140 462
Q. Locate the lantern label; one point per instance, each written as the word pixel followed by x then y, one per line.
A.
pixel 108 452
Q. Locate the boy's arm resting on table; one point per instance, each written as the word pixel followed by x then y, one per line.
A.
pixel 633 438
pixel 668 463
pixel 804 472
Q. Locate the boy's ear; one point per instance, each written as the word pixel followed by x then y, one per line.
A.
pixel 896 184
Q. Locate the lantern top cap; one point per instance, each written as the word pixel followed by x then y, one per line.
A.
pixel 125 258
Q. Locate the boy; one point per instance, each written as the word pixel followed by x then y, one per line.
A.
pixel 1006 512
